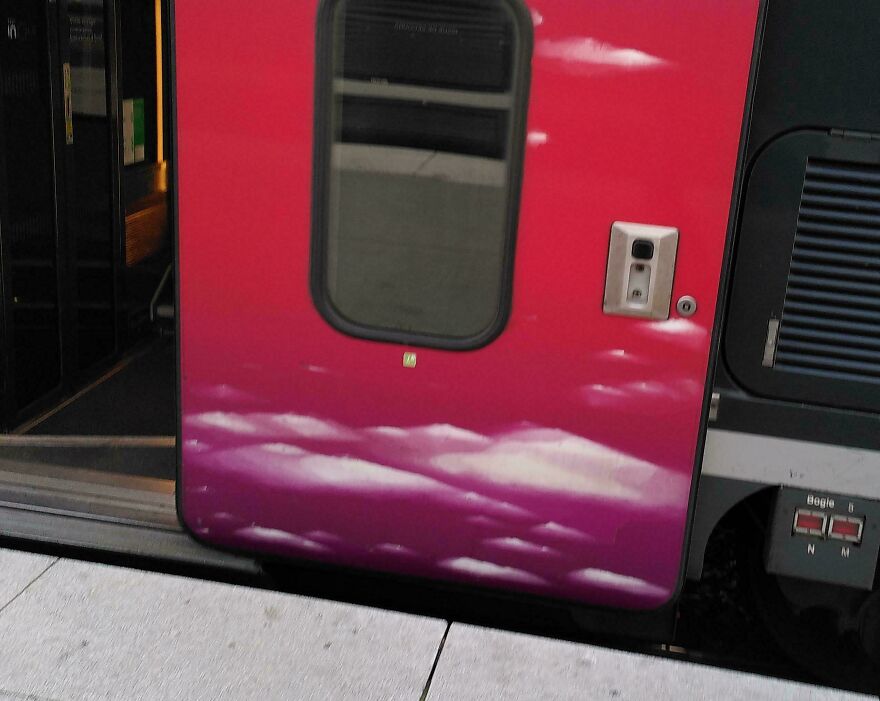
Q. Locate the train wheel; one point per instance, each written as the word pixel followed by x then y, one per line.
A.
pixel 869 628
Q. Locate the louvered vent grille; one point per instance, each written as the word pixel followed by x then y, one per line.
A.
pixel 831 316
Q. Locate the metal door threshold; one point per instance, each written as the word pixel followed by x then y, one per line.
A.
pixel 116 514
pixel 136 456
pixel 98 495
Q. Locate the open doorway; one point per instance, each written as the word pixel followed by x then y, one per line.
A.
pixel 87 354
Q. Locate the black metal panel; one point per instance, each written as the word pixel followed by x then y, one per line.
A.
pixel 804 321
pixel 818 69
pixel 28 218
pixel 740 411
pixel 817 76
pixel 819 556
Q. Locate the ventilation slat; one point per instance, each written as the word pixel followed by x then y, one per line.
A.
pixel 858 330
pixel 830 256
pixel 854 301
pixel 840 202
pixel 839 338
pixel 842 171
pixel 845 189
pixel 829 311
pixel 837 215
pixel 834 232
pixel 832 271
pixel 827 374
pixel 821 283
pixel 869 356
pixel 869 250
pixel 824 361
pixel 830 326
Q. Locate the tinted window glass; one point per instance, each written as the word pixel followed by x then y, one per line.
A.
pixel 418 172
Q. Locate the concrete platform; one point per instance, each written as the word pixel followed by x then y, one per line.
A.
pixel 479 664
pixel 75 631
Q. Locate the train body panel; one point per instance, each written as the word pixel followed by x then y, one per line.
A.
pixel 556 460
pixel 795 407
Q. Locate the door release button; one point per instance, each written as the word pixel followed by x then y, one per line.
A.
pixel 641 268
pixel 643 250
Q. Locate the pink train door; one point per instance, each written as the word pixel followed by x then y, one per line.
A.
pixel 448 275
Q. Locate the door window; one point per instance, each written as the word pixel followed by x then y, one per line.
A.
pixel 420 126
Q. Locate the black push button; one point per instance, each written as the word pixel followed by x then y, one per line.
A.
pixel 643 250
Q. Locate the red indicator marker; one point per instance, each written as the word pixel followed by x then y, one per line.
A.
pixel 809 522
pixel 848 528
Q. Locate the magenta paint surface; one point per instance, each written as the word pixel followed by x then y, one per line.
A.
pixel 558 460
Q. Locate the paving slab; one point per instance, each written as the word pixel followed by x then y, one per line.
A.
pixel 84 632
pixel 478 664
pixel 17 570
pixel 11 696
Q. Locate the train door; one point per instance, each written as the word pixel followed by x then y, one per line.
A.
pixel 448 282
pixel 30 312
pixel 92 177
pixel 118 182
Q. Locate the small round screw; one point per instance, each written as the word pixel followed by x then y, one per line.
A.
pixel 687 306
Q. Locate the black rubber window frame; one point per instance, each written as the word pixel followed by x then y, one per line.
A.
pixel 324 62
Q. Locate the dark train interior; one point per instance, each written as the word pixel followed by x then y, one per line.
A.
pixel 87 356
